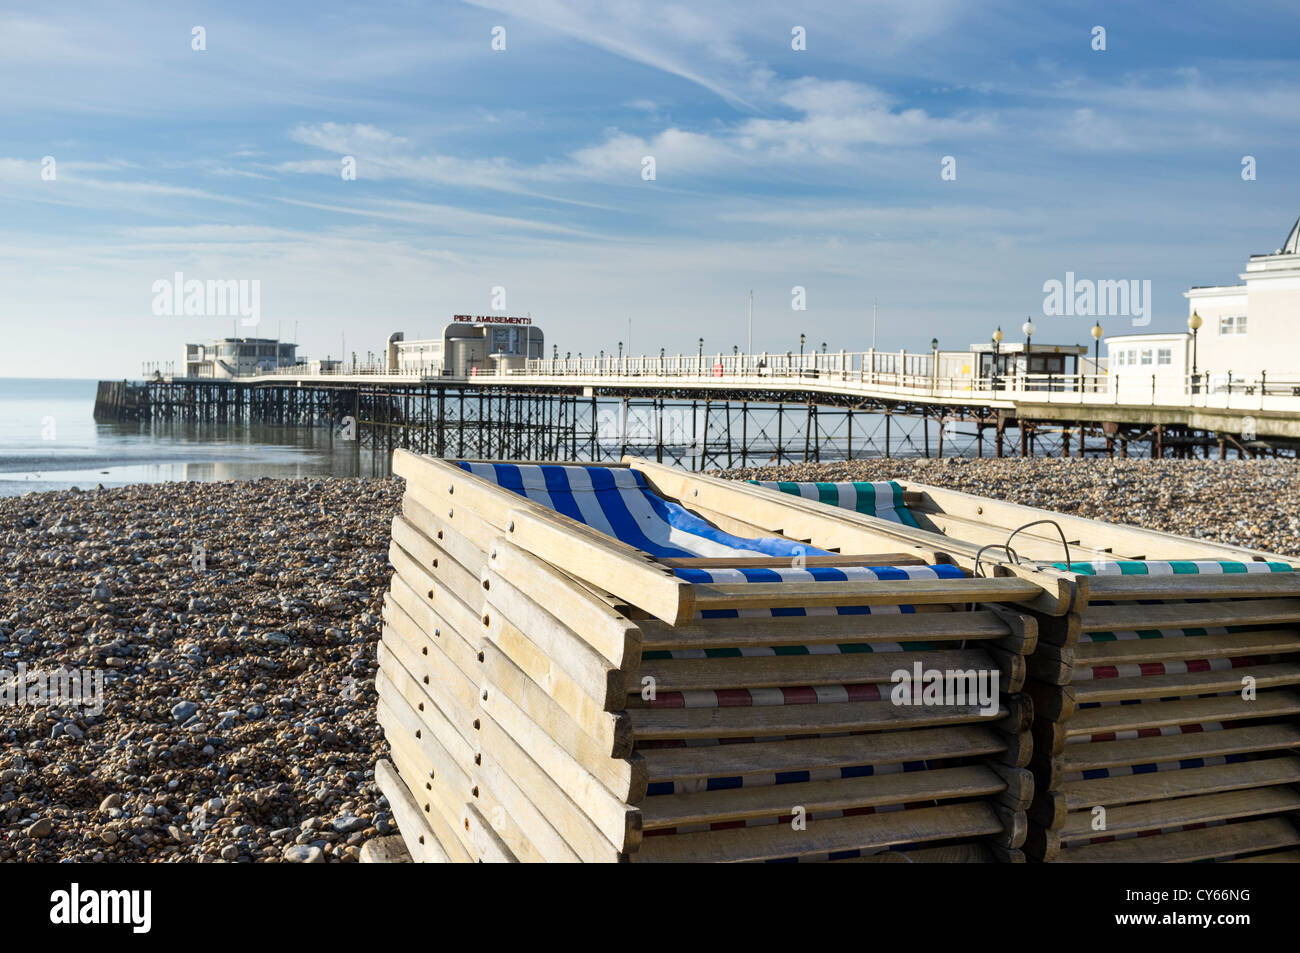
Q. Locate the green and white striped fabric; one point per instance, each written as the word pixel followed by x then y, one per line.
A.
pixel 1172 567
pixel 884 500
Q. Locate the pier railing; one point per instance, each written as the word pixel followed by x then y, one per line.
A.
pixel 942 377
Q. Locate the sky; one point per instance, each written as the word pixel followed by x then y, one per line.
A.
pixel 942 158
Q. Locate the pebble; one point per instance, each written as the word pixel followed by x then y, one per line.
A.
pixel 184 711
pixel 304 854
pixel 217 685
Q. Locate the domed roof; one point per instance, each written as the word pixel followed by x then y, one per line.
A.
pixel 1292 244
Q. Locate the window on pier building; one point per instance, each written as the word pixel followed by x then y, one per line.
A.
pixel 1165 356
pixel 1146 357
pixel 1232 324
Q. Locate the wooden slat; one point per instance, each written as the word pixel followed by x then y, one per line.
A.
pixel 822 629
pixel 1221 645
pixel 420 841
pixel 619 822
pixel 396 679
pixel 547 841
pixel 601 748
pixel 1196 744
pixel 775 671
pixel 1153 815
pixel 578 831
pixel 606 630
pixel 567 651
pixel 436 561
pixel 811 754
pixel 771 595
pixel 1186 846
pixel 439 812
pixel 859 832
pixel 1184 615
pixel 1185 683
pixel 1080 795
pixel 779 800
pixel 666 723
pixel 1242 585
pixel 1190 711
pixel 488 844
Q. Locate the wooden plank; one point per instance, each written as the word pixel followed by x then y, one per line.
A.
pixel 1223 645
pixel 420 841
pixel 1183 782
pixel 1131 818
pixel 487 842
pixel 552 678
pixel 1182 615
pixel 1277 857
pixel 1242 585
pixel 812 754
pixel 616 819
pixel 1187 846
pixel 578 831
pixel 747 562
pixel 444 683
pixel 603 749
pixel 670 723
pixel 823 629
pixel 1196 744
pixel 460 742
pixel 438 813
pixel 465 620
pixel 568 651
pixel 437 629
pixel 858 832
pixel 397 717
pixel 456 544
pixel 434 560
pixel 1191 711
pixel 780 800
pixel 947 854
pixel 605 629
pixel 549 844
pixel 1185 683
pixel 765 595
pixel 777 671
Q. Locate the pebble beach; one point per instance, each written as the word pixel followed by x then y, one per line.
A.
pixel 235 624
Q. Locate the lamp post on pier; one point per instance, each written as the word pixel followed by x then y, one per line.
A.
pixel 1195 322
pixel 1029 329
pixel 997 341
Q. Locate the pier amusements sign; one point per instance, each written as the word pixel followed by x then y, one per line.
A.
pixel 489 319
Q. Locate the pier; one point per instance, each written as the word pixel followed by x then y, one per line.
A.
pixel 705 411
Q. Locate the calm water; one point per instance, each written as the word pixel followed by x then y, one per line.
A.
pixel 50 441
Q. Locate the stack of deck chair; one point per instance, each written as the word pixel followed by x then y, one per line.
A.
pixel 578 665
pixel 1167 700
pixel 1168 707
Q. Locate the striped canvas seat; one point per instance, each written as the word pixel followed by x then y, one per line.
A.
pixel 618 502
pixel 1171 567
pixel 884 500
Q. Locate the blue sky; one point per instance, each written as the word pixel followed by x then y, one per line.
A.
pixel 522 168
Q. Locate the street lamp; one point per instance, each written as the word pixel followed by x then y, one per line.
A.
pixel 1097 332
pixel 620 350
pixel 997 340
pixel 555 352
pixel 823 347
pixel 1195 322
pixel 1029 329
pixel 802 338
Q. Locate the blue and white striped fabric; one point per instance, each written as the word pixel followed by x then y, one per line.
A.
pixel 616 501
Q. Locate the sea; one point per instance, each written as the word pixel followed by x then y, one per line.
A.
pixel 49 440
